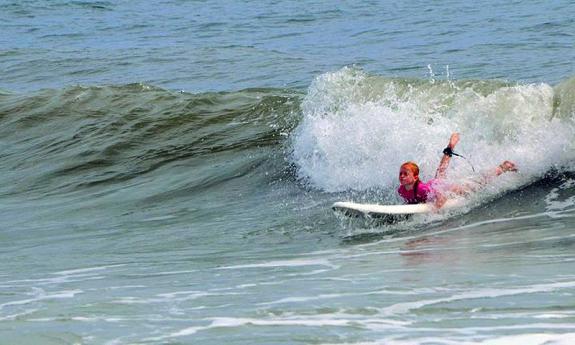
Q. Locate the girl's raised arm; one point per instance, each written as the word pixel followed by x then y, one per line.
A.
pixel 441 171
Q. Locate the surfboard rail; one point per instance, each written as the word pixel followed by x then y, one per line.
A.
pixel 388 213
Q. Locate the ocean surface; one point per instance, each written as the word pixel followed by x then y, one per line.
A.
pixel 167 170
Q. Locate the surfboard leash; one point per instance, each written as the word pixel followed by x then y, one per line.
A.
pixel 448 151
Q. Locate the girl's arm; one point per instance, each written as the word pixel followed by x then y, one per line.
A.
pixel 441 171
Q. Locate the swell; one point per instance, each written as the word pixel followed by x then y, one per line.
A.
pixel 62 140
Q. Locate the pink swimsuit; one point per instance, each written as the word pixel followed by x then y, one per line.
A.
pixel 425 191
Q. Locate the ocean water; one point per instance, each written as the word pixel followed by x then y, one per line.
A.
pixel 168 169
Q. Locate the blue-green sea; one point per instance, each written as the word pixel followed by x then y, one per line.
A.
pixel 167 170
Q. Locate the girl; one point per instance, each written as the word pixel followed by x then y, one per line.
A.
pixel 413 191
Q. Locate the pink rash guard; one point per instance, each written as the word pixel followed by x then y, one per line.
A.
pixel 425 191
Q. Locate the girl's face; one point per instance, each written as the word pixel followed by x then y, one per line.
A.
pixel 406 177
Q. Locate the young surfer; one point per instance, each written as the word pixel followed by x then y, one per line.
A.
pixel 414 191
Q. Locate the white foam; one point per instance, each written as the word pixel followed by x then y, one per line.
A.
pixel 60 277
pixel 402 308
pixel 86 270
pixel 523 339
pixel 303 299
pixel 18 315
pixel 299 299
pixel 283 263
pixel 357 130
pixel 41 296
pixel 178 296
pixel 531 339
pixel 552 199
pixel 553 316
pixel 230 322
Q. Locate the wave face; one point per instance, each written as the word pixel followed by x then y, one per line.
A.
pixel 357 129
pixel 63 141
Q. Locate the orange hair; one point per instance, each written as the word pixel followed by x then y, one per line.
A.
pixel 412 167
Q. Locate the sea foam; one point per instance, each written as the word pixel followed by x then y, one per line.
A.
pixel 357 129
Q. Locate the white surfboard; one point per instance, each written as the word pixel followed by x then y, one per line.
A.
pixel 388 213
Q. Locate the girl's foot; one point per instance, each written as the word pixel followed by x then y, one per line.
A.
pixel 508 166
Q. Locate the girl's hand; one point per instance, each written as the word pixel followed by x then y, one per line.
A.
pixel 453 140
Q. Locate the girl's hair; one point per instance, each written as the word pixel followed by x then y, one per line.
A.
pixel 411 166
